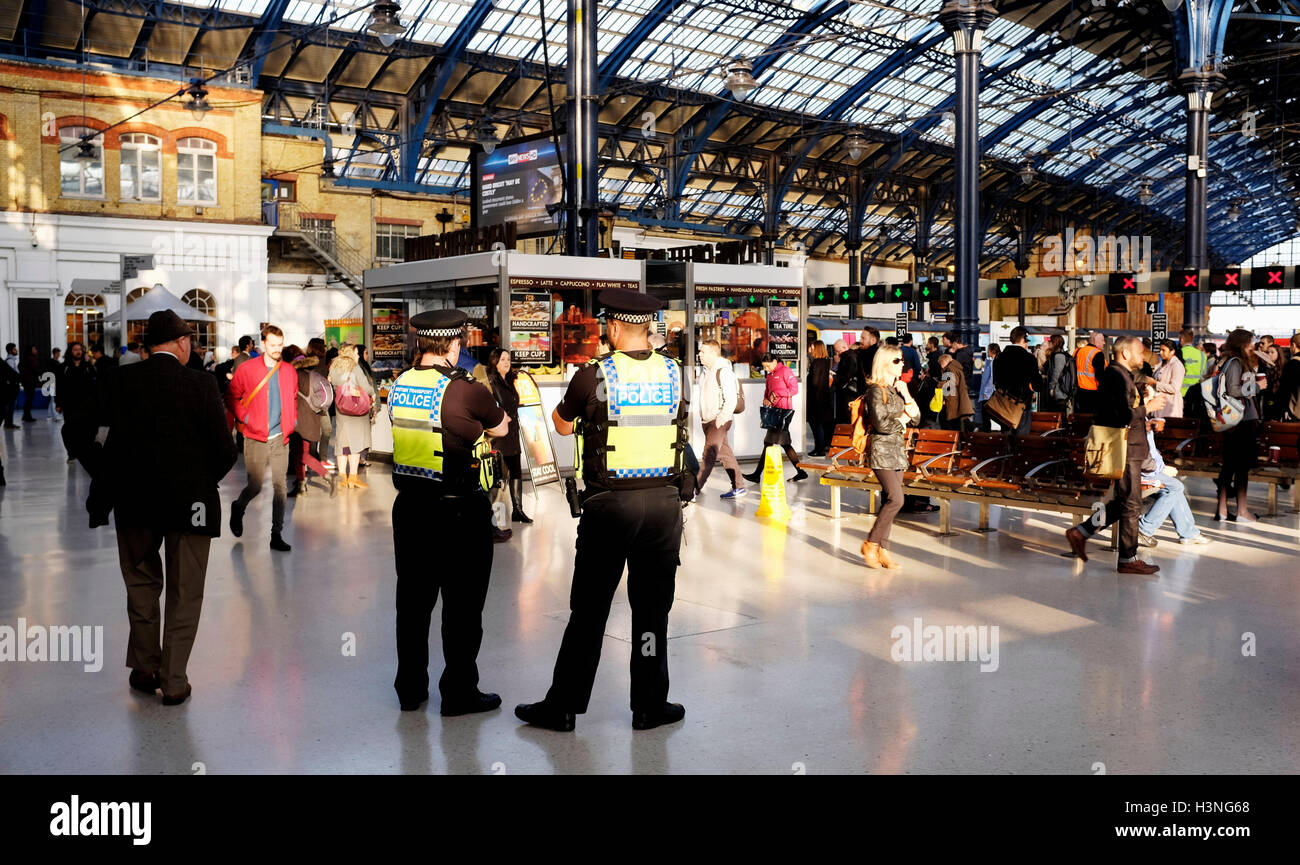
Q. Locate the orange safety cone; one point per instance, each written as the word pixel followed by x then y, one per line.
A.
pixel 773 503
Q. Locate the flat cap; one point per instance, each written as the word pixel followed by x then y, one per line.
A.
pixel 634 307
pixel 439 322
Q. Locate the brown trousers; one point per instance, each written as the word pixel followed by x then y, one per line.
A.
pixel 142 570
pixel 716 449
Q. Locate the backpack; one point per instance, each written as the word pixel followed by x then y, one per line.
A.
pixel 1062 384
pixel 740 393
pixel 319 395
pixel 1225 411
pixel 861 426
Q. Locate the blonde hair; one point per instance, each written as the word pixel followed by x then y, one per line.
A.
pixel 882 366
pixel 343 365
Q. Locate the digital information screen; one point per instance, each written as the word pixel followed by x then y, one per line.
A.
pixel 515 183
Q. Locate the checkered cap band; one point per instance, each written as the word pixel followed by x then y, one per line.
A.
pixel 632 317
pixel 441 331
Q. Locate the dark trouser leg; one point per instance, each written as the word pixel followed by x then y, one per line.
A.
pixel 296 467
pixel 29 395
pixel 1125 508
pixel 464 591
pixel 605 529
pixel 278 457
pixel 255 457
pixel 651 578
pixel 788 446
pixel 1026 422
pixel 142 571
pixel 417 592
pixel 187 570
pixel 710 458
pixel 891 502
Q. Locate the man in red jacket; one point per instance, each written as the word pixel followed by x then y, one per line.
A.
pixel 263 397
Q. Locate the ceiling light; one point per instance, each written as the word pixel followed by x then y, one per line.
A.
pixel 740 77
pixel 485 133
pixel 1027 172
pixel 197 104
pixel 86 151
pixel 1234 212
pixel 327 169
pixel 855 144
pixel 1144 192
pixel 385 22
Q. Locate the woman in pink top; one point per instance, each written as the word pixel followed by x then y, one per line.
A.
pixel 782 385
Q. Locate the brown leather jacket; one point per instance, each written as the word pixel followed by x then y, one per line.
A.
pixel 887 414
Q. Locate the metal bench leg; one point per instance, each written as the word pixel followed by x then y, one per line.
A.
pixel 945 518
pixel 1114 536
pixel 835 502
pixel 1295 496
pixel 984 519
pixel 871 502
pixel 1272 499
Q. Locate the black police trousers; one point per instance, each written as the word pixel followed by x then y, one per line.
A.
pixel 440 544
pixel 641 529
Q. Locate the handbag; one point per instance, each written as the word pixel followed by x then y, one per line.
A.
pixel 1106 452
pixel 936 400
pixel 773 418
pixel 351 400
pixel 1005 409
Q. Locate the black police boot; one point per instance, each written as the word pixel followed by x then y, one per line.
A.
pixel 236 519
pixel 542 715
pixel 278 544
pixel 412 705
pixel 479 702
pixel 671 713
pixel 516 495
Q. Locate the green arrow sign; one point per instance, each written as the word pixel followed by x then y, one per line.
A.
pixel 1003 288
pixel 925 292
pixel 821 295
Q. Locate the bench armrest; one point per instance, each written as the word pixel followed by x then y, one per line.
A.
pixel 1052 432
pixel 975 472
pixel 1029 475
pixel 1185 442
pixel 925 466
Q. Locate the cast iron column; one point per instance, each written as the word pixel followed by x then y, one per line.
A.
pixel 1200 87
pixel 966 21
pixel 582 224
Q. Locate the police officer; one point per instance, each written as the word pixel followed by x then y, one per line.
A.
pixel 627 410
pixel 442 470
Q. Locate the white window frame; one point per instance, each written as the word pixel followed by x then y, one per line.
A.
pixel 187 151
pixel 137 144
pixel 69 137
pixel 390 230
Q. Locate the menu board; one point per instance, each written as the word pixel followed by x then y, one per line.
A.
pixel 530 327
pixel 342 331
pixel 534 434
pixel 783 330
pixel 388 335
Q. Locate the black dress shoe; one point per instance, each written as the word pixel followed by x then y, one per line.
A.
pixel 147 683
pixel 798 476
pixel 754 477
pixel 671 713
pixel 177 699
pixel 278 544
pixel 478 703
pixel 412 705
pixel 236 520
pixel 542 715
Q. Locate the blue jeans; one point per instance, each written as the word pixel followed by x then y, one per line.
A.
pixel 1169 502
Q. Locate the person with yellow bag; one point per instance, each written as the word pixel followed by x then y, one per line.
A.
pixel 1117 448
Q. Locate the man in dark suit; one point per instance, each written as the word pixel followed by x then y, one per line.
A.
pixel 167 450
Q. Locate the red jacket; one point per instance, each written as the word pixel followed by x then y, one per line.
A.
pixel 254 419
pixel 782 385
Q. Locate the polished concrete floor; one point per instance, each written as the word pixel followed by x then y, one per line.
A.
pixel 780 647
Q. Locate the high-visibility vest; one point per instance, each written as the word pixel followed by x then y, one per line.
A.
pixel 1193 366
pixel 1084 377
pixel 642 436
pixel 415 409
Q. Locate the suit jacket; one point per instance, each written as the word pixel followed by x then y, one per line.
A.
pixel 168 447
pixel 1120 404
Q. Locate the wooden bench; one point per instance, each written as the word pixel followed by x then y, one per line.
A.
pixel 1044 422
pixel 1198 452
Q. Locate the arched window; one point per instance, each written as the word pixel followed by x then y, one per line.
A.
pixel 81 170
pixel 196 171
pixel 203 302
pixel 84 315
pixel 141 171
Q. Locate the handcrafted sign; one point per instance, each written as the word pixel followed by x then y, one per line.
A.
pixel 530 327
pixel 388 327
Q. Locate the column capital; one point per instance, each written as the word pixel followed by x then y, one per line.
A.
pixel 966 21
pixel 1200 85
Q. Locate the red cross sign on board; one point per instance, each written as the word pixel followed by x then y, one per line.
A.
pixel 1129 284
pixel 1189 280
pixel 1275 277
pixel 1232 279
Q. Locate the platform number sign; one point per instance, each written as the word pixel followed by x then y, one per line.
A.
pixel 1159 328
pixel 1152 307
pixel 900 325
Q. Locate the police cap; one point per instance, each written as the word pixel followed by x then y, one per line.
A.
pixel 439 322
pixel 633 307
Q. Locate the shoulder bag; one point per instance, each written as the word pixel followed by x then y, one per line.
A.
pixel 1106 452
pixel 1004 409
pixel 351 400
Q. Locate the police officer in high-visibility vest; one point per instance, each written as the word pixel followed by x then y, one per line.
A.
pixel 442 519
pixel 627 410
pixel 1193 360
pixel 1089 361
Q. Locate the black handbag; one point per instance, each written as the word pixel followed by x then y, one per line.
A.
pixel 773 418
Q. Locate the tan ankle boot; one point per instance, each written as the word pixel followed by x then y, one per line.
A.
pixel 357 483
pixel 871 554
pixel 887 560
